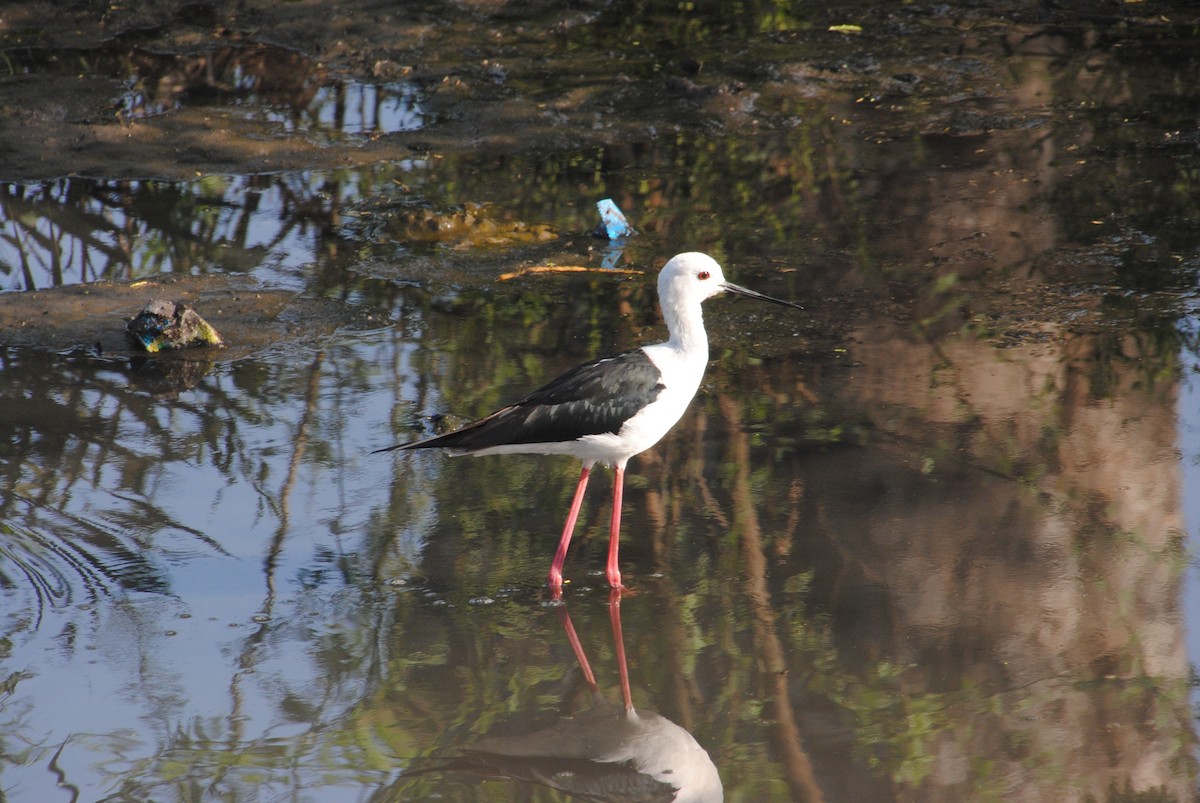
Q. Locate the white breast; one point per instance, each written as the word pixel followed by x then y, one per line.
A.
pixel 681 376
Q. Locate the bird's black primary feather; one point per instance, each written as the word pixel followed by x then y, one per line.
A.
pixel 591 399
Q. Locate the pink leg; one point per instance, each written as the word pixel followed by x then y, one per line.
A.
pixel 614 531
pixel 560 557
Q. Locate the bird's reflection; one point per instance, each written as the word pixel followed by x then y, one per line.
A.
pixel 611 752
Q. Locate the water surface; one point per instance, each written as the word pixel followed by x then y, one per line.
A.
pixel 929 539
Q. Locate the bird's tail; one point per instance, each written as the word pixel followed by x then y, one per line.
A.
pixel 408 445
pixel 447 440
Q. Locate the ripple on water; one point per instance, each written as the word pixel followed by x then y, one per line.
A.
pixel 62 560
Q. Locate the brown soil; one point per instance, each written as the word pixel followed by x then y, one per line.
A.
pixel 247 316
pixel 472 62
pixel 65 124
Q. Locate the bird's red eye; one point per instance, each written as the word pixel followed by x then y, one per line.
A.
pixel 703 275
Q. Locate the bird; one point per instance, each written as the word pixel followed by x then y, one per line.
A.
pixel 609 409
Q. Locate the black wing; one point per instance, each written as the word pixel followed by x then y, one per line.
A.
pixel 590 399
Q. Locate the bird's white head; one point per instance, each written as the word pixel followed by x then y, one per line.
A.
pixel 685 281
pixel 689 278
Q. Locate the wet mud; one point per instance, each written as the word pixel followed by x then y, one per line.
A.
pixel 92 318
pixel 176 91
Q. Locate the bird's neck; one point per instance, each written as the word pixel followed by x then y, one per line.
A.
pixel 686 327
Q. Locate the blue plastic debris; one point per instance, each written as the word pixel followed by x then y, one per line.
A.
pixel 613 225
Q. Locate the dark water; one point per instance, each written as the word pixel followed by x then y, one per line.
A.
pixel 932 538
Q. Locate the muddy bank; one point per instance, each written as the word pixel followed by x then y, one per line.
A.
pixel 166 89
pixel 739 135
pixel 91 318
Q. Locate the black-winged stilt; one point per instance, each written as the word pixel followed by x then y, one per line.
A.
pixel 608 410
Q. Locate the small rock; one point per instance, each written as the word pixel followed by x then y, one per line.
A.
pixel 164 325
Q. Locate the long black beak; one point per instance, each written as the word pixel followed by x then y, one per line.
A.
pixel 737 289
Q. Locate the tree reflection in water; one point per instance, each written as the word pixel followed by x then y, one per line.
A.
pixel 926 545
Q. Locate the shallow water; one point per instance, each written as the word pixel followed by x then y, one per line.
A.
pixel 930 539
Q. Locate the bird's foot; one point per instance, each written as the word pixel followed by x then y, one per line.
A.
pixel 618 588
pixel 555 582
